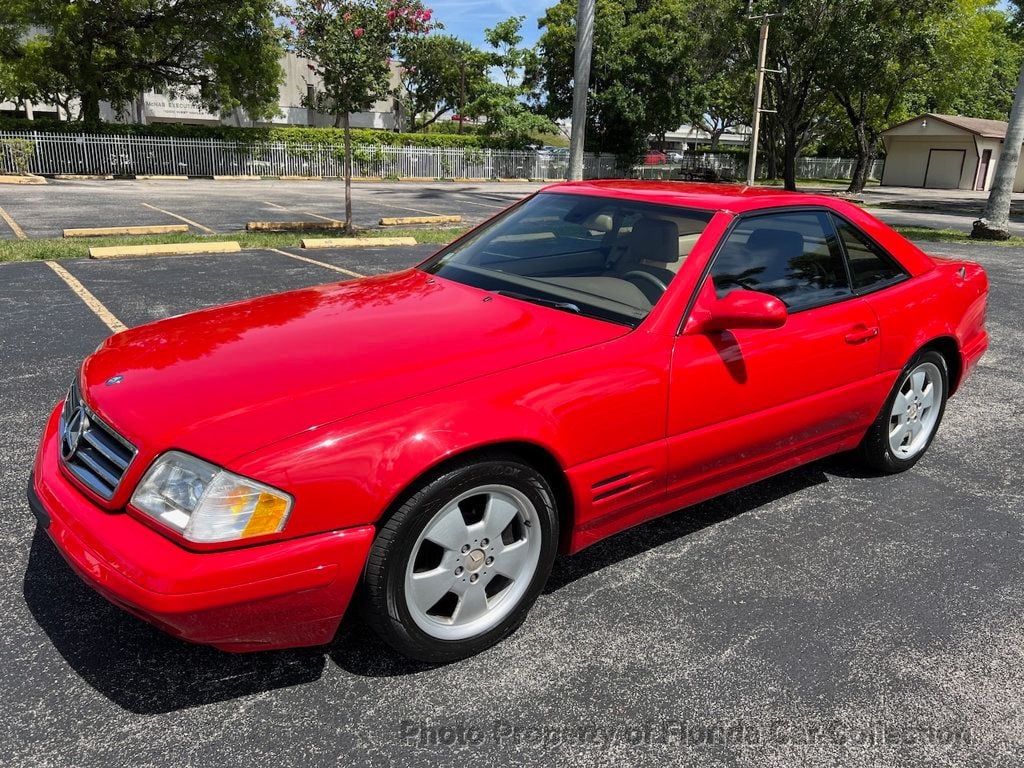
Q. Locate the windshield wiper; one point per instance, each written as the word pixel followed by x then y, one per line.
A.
pixel 567 306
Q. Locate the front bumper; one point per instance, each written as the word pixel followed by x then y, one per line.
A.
pixel 278 595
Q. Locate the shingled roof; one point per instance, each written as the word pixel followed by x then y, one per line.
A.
pixel 988 129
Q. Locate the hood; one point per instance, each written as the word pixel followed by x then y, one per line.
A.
pixel 222 382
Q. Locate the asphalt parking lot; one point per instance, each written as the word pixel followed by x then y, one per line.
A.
pixel 824 617
pixel 219 207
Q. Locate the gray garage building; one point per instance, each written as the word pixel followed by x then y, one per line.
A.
pixel 944 152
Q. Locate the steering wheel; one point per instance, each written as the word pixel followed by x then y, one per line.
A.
pixel 650 279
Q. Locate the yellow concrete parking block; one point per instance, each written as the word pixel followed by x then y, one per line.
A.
pixel 5 179
pixel 293 226
pixel 403 220
pixel 159 229
pixel 356 242
pixel 164 249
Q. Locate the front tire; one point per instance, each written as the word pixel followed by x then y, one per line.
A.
pixel 457 566
pixel 910 417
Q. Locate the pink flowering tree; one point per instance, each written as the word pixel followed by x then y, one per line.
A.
pixel 350 44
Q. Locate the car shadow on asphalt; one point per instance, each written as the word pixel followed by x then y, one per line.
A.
pixel 685 522
pixel 146 671
pixel 138 667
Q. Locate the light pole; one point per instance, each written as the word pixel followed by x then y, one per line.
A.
pixel 580 86
pixel 762 53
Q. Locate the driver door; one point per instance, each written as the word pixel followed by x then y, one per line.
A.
pixel 746 403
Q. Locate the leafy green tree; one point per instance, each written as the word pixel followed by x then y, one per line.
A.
pixel 977 55
pixel 888 47
pixel 350 44
pixel 643 74
pixel 800 47
pixel 505 105
pixel 225 55
pixel 722 96
pixel 439 75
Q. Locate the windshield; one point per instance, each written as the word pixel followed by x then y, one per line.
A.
pixel 596 256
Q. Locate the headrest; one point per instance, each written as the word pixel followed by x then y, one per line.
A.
pixel 655 240
pixel 599 222
pixel 785 242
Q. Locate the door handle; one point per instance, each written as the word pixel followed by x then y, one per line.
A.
pixel 861 334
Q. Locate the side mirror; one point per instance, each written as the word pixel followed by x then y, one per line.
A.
pixel 742 309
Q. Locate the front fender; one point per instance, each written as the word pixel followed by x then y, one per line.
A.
pixel 580 407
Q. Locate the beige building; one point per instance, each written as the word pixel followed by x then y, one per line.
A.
pixel 166 106
pixel 944 152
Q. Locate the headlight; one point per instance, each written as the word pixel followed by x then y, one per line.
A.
pixel 205 503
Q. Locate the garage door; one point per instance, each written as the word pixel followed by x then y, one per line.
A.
pixel 944 168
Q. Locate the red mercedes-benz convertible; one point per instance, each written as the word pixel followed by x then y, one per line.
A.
pixel 595 356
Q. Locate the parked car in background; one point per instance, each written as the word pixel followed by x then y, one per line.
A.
pixel 655 157
pixel 597 355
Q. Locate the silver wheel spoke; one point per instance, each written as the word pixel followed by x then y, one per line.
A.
pixel 928 397
pixel 430 586
pixel 899 435
pixel 498 515
pixel 917 380
pixel 449 529
pixel 472 605
pixel 510 560
pixel 901 404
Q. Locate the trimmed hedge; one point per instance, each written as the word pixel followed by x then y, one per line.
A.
pixel 287 135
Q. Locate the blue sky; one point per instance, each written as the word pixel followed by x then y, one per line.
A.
pixel 467 19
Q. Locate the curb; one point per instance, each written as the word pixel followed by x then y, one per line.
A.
pixel 5 179
pixel 166 249
pixel 397 221
pixel 356 242
pixel 158 229
pixel 292 226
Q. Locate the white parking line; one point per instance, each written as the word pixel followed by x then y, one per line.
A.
pixel 86 296
pixel 323 264
pixel 304 213
pixel 485 205
pixel 207 230
pixel 408 208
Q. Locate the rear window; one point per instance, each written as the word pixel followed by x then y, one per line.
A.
pixel 870 266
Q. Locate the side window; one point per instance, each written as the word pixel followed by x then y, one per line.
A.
pixel 792 256
pixel 870 266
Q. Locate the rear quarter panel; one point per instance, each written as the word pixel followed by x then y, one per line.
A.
pixel 939 303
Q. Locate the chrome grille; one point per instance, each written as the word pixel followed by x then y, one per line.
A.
pixel 91 451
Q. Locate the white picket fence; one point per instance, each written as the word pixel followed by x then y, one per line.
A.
pixel 98 154
pixel 724 165
pixel 56 154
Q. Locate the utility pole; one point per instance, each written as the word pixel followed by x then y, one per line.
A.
pixel 462 94
pixel 580 86
pixel 762 54
pixel 995 222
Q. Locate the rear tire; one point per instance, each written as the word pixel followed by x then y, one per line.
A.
pixel 457 566
pixel 907 423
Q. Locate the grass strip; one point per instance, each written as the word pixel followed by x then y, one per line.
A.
pixel 59 248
